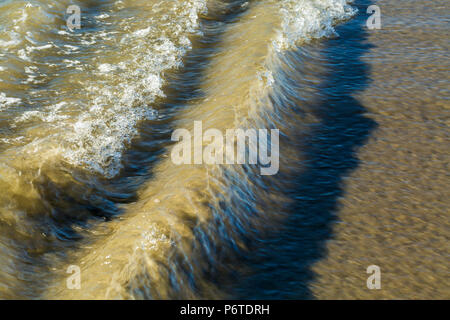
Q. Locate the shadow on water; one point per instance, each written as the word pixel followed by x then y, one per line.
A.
pixel 281 264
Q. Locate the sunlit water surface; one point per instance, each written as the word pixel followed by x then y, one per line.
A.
pixel 86 176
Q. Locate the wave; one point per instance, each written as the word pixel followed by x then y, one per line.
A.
pixel 190 221
pixel 76 102
pixel 93 108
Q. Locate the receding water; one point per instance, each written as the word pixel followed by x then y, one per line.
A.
pixel 87 179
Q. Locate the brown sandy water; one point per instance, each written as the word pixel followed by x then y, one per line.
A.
pixel 87 179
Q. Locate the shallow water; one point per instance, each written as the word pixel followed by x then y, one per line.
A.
pixel 87 179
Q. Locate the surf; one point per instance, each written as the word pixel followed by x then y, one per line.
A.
pixel 81 186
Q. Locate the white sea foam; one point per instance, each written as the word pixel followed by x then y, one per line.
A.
pixel 106 67
pixel 122 99
pixel 304 20
pixel 142 33
pixel 14 40
pixel 50 115
pixel 102 16
pixel 7 101
pixel 39 48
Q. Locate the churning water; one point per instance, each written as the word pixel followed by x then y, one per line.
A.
pixel 86 117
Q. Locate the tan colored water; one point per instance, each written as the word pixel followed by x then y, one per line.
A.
pixel 87 179
pixel 395 210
